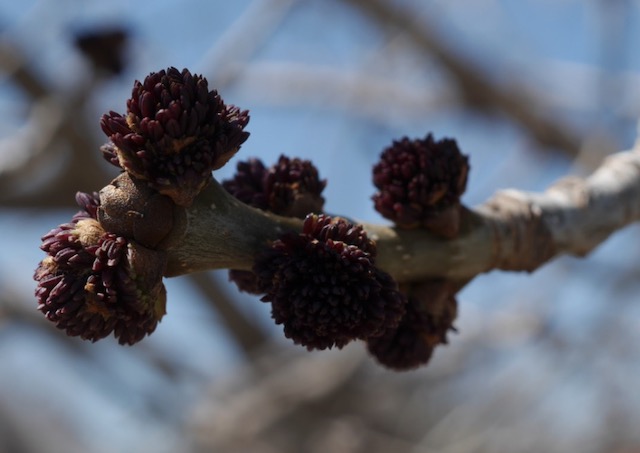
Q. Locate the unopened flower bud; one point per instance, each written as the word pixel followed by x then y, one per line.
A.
pixel 174 134
pixel 291 187
pixel 420 183
pixel 324 287
pixel 93 283
pixel 430 312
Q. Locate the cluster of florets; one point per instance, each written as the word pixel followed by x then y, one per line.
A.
pixel 420 182
pixel 87 284
pixel 292 187
pixel 431 310
pixel 324 287
pixel 174 134
pixel 95 281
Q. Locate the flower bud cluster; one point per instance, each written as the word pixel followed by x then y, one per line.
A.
pixel 431 310
pixel 419 185
pixel 420 182
pixel 292 187
pixel 88 284
pixel 324 287
pixel 174 134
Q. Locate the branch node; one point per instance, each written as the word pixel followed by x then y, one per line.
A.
pixel 521 237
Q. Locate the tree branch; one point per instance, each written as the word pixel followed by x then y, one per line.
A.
pixel 514 230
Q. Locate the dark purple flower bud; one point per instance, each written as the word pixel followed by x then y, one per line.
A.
pixel 420 183
pixel 324 287
pixel 324 228
pixel 430 312
pixel 247 185
pixel 89 204
pixel 291 187
pixel 93 283
pixel 175 133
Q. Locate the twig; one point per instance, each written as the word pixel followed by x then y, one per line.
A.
pixel 516 231
pixel 520 231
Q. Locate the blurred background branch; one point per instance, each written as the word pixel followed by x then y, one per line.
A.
pixel 515 101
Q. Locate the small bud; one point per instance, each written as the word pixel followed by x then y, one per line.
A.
pixel 420 183
pixel 291 187
pixel 175 133
pixel 430 312
pixel 324 287
pixel 247 185
pixel 93 283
